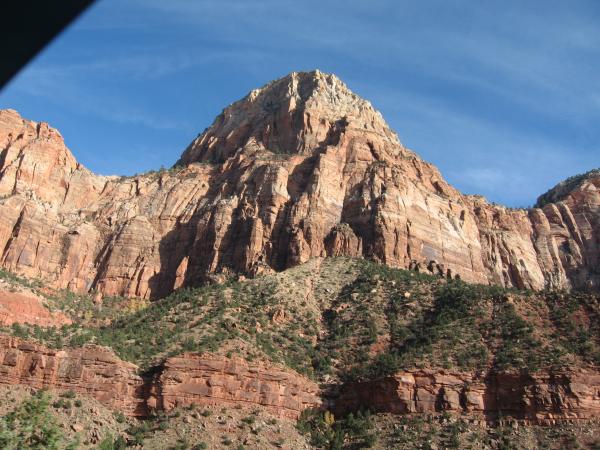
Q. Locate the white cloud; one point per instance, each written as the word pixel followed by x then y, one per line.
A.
pixel 486 90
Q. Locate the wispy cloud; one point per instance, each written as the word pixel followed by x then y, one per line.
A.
pixel 54 86
pixel 488 91
pixel 70 84
pixel 149 63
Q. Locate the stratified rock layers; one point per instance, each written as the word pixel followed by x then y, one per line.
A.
pixel 541 398
pixel 180 381
pixel 299 168
pixel 204 379
pixel 93 371
pixel 209 380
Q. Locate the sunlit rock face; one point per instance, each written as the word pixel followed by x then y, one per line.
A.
pixel 297 169
pixel 189 379
pixel 206 379
pixel 92 370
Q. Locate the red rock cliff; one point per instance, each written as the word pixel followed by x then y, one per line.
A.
pixel 541 398
pixel 180 381
pixel 91 370
pixel 299 168
pixel 209 380
pixel 214 380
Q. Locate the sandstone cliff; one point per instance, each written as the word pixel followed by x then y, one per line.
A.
pixel 180 381
pixel 215 380
pixel 542 398
pixel 93 371
pixel 299 168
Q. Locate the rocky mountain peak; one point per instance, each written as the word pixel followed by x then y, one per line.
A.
pixel 312 171
pixel 298 113
pixel 35 163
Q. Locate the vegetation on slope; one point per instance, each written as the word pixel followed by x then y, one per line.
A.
pixel 565 187
pixel 32 419
pixel 31 426
pixel 345 319
pixel 449 432
pixel 325 431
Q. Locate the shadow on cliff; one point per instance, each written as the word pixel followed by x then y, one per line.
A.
pixel 216 239
pixel 218 236
pixel 179 248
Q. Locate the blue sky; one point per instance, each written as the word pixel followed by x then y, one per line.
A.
pixel 503 96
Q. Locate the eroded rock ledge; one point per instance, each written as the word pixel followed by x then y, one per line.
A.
pixel 180 381
pixel 541 398
pixel 209 380
pixel 90 370
pixel 206 379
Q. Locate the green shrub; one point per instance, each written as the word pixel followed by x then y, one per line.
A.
pixel 352 431
pixel 249 420
pixel 31 426
pixel 111 443
pixel 68 394
pixel 61 403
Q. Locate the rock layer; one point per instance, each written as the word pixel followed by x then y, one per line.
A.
pixel 93 371
pixel 209 380
pixel 204 379
pixel 297 169
pixel 540 398
pixel 180 381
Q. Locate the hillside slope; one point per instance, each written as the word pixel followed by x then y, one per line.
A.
pixel 339 320
pixel 434 360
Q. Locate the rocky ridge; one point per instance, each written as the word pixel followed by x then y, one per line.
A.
pixel 297 169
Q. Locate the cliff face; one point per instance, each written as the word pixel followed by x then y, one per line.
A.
pixel 179 381
pixel 204 379
pixel 209 380
pixel 556 245
pixel 93 371
pixel 540 398
pixel 299 168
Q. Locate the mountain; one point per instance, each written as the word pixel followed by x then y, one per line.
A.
pixel 299 279
pixel 300 168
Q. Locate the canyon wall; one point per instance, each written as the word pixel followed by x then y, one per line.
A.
pixel 297 169
pixel 180 381
pixel 205 379
pixel 540 398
